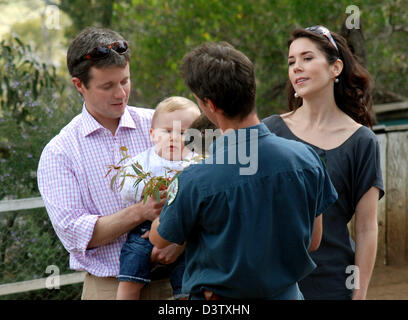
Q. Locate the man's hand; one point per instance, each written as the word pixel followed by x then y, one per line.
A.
pixel 109 228
pixel 151 209
pixel 168 254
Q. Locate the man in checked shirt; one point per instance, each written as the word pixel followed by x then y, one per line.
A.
pixel 87 216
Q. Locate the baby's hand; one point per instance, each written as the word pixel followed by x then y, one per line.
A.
pixel 146 234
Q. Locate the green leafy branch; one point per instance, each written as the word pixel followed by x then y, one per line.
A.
pixel 154 185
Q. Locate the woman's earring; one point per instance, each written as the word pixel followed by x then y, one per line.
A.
pixel 296 95
pixel 336 80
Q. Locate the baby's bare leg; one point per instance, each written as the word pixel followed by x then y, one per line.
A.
pixel 129 290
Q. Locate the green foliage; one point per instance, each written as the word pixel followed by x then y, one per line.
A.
pixel 28 245
pixel 387 44
pixel 31 240
pixel 84 13
pixel 35 104
pixel 33 109
pixel 23 79
pixel 48 44
pixel 161 32
pixel 154 185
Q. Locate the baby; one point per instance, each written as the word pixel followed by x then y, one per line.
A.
pixel 172 117
pixel 201 134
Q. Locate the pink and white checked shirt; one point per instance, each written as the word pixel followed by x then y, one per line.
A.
pixel 71 179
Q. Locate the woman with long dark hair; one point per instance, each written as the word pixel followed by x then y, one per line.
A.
pixel 331 110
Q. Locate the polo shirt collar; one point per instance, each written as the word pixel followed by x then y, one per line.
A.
pixel 262 131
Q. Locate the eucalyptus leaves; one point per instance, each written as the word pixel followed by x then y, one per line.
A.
pixel 154 185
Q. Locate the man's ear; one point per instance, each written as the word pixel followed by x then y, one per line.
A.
pixel 79 85
pixel 213 108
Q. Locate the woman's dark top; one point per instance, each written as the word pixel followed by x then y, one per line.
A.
pixel 353 167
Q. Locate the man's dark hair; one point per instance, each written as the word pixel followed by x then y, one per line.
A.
pixel 219 72
pixel 83 43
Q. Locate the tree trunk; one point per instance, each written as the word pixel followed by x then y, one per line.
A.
pixel 107 9
pixel 356 42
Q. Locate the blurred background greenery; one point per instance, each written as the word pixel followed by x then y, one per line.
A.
pixel 37 98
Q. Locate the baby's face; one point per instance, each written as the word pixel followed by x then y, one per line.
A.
pixel 167 133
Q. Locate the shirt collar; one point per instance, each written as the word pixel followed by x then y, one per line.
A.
pixel 90 125
pixel 126 120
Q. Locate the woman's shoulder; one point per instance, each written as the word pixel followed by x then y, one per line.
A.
pixel 273 122
pixel 364 136
pixel 366 132
pixel 353 135
pixel 272 117
pixel 278 118
pixel 276 124
pixel 361 146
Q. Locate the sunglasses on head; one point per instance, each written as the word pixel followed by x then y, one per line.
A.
pixel 325 32
pixel 120 47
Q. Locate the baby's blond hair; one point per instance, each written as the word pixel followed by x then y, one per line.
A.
pixel 172 104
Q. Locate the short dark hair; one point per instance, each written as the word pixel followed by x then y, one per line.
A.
pixel 202 123
pixel 219 72
pixel 83 43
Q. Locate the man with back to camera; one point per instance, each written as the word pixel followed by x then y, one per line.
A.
pixel 90 219
pixel 248 233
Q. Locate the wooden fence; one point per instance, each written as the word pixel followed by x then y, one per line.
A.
pixel 392 247
pixel 24 286
pixel 392 210
pixel 155 290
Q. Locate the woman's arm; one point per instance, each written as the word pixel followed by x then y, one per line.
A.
pixel 366 233
pixel 317 234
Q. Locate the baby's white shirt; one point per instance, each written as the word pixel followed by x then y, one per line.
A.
pixel 153 163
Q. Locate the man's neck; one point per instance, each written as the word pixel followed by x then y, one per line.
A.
pixel 112 126
pixel 234 124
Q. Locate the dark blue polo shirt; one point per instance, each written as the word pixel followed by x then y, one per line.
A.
pixel 248 234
